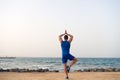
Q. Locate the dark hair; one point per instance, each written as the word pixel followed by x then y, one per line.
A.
pixel 66 37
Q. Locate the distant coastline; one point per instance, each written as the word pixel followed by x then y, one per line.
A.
pixel 7 57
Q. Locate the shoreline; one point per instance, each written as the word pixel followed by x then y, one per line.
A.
pixel 47 70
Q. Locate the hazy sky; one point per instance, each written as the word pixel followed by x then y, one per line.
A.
pixel 31 27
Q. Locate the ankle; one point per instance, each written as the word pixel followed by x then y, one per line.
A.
pixel 67 77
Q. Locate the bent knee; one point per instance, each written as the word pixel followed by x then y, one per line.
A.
pixel 75 59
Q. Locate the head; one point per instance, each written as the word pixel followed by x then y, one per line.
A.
pixel 66 37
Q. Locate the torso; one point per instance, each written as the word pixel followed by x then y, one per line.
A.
pixel 65 45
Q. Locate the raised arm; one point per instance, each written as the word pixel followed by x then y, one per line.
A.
pixel 60 37
pixel 71 37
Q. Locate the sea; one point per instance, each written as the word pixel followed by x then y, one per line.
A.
pixel 34 63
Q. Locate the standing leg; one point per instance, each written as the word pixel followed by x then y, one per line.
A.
pixel 65 70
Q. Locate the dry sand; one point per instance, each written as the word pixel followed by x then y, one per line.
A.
pixel 60 76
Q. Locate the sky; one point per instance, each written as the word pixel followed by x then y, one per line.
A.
pixel 30 28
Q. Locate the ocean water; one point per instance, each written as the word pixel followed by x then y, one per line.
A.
pixel 56 63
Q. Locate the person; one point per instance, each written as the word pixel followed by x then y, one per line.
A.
pixel 65 46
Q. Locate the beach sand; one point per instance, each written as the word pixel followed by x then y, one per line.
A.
pixel 59 76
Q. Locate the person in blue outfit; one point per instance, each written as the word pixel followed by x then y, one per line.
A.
pixel 65 46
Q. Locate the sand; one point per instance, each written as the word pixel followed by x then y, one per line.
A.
pixel 60 76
